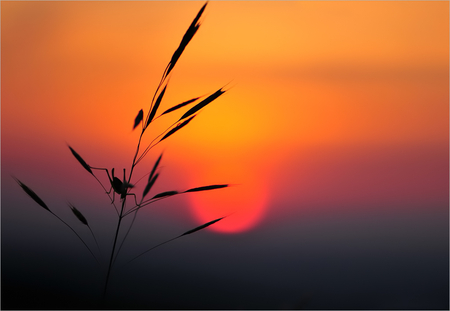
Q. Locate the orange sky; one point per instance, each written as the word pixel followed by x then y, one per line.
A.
pixel 302 75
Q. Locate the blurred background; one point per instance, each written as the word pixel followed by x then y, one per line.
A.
pixel 334 134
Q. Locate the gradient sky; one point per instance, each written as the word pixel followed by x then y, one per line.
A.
pixel 334 134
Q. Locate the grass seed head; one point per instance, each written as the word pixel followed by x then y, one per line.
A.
pixel 202 226
pixel 205 188
pixel 202 104
pixel 180 105
pixel 178 127
pixel 165 194
pixel 138 118
pixel 32 194
pixel 80 159
pixel 78 214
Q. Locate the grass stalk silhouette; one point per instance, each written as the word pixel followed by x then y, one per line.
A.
pixel 122 187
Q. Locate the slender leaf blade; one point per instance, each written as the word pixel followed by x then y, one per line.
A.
pixel 80 159
pixel 202 226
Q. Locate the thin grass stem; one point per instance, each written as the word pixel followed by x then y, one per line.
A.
pixel 160 244
pixel 106 192
pixel 149 201
pixel 126 235
pixel 120 218
pixel 111 258
pixel 93 235
pixel 90 251
pixel 147 149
